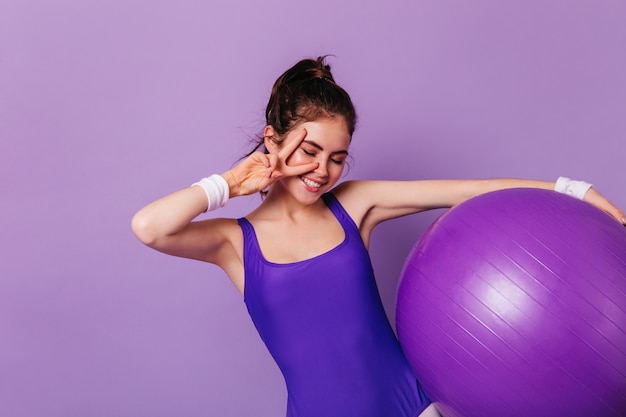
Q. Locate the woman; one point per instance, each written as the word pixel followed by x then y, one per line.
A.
pixel 300 259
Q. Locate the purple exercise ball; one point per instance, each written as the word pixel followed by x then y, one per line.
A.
pixel 513 303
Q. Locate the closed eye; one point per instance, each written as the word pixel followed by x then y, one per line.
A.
pixel 333 160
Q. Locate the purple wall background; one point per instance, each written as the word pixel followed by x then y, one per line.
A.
pixel 108 104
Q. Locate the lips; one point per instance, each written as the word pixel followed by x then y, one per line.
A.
pixel 310 183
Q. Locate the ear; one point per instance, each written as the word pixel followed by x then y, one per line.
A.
pixel 269 139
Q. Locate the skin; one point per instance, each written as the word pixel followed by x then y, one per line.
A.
pixel 298 170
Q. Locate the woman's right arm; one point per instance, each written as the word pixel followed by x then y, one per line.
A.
pixel 166 224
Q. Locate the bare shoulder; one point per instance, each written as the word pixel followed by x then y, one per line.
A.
pixel 356 197
pixel 371 202
pixel 365 194
pixel 351 187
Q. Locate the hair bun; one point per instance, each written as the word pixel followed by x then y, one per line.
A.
pixel 307 91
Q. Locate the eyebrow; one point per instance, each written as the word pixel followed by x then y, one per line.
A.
pixel 318 146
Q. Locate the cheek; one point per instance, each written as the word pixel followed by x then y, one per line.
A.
pixel 337 170
pixel 298 158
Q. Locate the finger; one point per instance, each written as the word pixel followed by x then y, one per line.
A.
pixel 619 215
pixel 299 169
pixel 292 145
pixel 266 161
pixel 258 158
pixel 612 210
pixel 272 162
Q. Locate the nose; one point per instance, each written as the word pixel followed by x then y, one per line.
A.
pixel 322 169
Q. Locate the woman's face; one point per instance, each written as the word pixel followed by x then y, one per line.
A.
pixel 326 142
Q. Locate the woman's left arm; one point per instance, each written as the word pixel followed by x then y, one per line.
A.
pixel 372 202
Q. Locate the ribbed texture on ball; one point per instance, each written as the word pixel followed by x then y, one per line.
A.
pixel 514 304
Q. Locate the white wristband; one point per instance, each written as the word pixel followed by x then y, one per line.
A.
pixel 572 188
pixel 216 189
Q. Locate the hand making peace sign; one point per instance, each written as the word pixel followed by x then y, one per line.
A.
pixel 260 170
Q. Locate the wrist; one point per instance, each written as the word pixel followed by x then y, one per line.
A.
pixel 233 185
pixel 573 188
pixel 216 189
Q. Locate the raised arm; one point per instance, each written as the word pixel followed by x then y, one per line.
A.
pixel 167 224
pixel 372 202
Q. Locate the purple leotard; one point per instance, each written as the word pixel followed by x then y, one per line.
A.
pixel 323 322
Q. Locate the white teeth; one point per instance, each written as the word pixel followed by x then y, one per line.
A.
pixel 310 183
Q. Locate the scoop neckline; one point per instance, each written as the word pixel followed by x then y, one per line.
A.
pixel 311 259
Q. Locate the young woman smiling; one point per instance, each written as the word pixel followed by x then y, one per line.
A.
pixel 300 258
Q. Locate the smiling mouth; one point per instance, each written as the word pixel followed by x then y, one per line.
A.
pixel 311 183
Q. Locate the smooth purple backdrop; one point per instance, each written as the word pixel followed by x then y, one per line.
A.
pixel 108 104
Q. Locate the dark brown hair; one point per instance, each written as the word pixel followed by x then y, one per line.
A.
pixel 306 92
